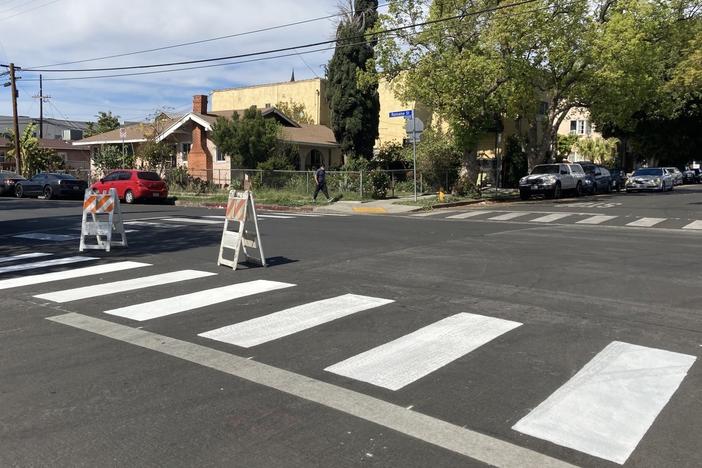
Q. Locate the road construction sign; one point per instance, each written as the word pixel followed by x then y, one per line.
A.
pixel 241 210
pixel 97 206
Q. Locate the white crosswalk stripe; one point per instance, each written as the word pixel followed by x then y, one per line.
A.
pixel 26 256
pixel 608 406
pixel 695 225
pixel 69 274
pixel 598 219
pixel 103 289
pixel 269 216
pixel 47 237
pixel 431 213
pixel 646 222
pixel 286 322
pixel 469 214
pixel 411 357
pixel 192 220
pixel 550 218
pixel 196 300
pixel 45 263
pixel 509 216
pixel 152 224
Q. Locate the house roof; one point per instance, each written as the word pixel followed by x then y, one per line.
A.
pixel 47 143
pixel 136 133
pixel 318 135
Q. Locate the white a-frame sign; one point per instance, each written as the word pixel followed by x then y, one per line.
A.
pixel 96 205
pixel 241 210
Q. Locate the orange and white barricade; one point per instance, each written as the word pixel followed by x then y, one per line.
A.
pixel 241 210
pixel 97 206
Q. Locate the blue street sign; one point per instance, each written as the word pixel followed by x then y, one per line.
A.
pixel 403 113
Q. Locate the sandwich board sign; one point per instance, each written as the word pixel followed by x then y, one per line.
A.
pixel 97 205
pixel 246 241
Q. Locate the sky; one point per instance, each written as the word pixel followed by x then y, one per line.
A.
pixel 35 33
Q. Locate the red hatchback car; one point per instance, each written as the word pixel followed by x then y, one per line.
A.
pixel 132 185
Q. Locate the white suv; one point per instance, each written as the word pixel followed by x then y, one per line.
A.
pixel 552 180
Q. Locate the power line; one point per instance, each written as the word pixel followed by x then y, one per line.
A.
pixel 31 9
pixel 285 49
pixel 201 41
pixel 17 6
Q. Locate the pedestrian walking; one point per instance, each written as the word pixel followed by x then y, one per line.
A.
pixel 320 177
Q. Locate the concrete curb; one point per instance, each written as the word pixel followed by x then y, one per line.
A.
pixel 263 206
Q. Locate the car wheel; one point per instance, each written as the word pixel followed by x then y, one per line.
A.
pixel 19 192
pixel 524 195
pixel 578 189
pixel 557 191
pixel 129 197
pixel 48 192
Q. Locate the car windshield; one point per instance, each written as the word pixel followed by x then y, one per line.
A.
pixel 546 169
pixel 649 171
pixel 148 176
pixel 10 175
pixel 64 176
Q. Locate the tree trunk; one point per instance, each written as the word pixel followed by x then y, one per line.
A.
pixel 471 165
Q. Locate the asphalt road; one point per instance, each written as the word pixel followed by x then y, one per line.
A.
pixel 563 332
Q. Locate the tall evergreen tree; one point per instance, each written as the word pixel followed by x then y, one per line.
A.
pixel 355 108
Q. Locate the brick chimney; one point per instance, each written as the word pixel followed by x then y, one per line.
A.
pixel 200 159
pixel 200 104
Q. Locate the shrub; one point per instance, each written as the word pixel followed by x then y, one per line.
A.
pixel 380 183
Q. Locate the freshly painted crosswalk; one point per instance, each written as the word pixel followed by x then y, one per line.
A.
pixel 13 258
pixel 550 218
pixel 196 300
pixel 509 216
pixel 646 222
pixel 400 362
pixel 43 278
pixel 610 404
pixel 103 289
pixel 45 263
pixel 597 219
pixel 286 322
pixel 469 214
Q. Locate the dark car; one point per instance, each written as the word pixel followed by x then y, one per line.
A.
pixel 8 180
pixel 597 178
pixel 51 185
pixel 691 176
pixel 132 185
pixel 618 178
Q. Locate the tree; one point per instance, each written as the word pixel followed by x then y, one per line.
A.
pixel 34 157
pixel 248 140
pixel 564 146
pixel 598 150
pixel 155 155
pixel 105 122
pixel 109 157
pixel 296 111
pixel 354 103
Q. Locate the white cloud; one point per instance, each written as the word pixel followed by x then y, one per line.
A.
pixel 69 30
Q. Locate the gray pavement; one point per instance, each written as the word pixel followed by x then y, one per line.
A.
pixel 530 304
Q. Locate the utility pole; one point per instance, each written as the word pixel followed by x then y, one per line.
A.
pixel 15 121
pixel 42 100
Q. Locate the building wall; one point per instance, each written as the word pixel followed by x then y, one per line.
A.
pixel 578 122
pixel 311 93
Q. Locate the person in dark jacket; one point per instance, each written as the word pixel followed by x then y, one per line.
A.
pixel 320 177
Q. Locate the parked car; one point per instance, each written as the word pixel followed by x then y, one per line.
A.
pixel 552 180
pixel 676 174
pixel 691 176
pixel 618 177
pixel 51 185
pixel 133 185
pixel 597 179
pixel 8 180
pixel 650 178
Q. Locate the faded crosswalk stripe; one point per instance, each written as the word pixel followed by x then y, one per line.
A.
pixel 646 222
pixel 286 322
pixel 608 406
pixel 69 274
pixel 103 289
pixel 432 213
pixel 12 258
pixel 598 219
pixel 508 216
pixel 45 263
pixel 196 300
pixel 274 216
pixel 47 237
pixel 152 224
pixel 192 220
pixel 470 214
pixel 551 218
pixel 695 225
pixel 404 360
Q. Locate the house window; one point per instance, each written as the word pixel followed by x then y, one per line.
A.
pixel 186 150
pixel 219 155
pixel 573 127
pixel 268 104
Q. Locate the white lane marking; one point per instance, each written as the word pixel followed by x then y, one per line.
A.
pixel 608 406
pixel 550 218
pixel 23 256
pixel 432 213
pixel 192 220
pixel 48 237
pixel 103 289
pixel 152 224
pixel 646 222
pixel 400 362
pixel 475 445
pixel 598 219
pixel 295 214
pixel 274 217
pixel 286 322
pixel 696 225
pixel 196 300
pixel 45 263
pixel 470 214
pixel 508 216
pixel 68 274
pixel 216 217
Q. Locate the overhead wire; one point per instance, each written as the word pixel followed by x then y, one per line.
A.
pixel 31 9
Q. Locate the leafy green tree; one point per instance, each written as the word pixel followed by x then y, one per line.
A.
pixel 296 111
pixel 248 140
pixel 438 159
pixel 35 158
pixel 105 122
pixel 564 146
pixel 109 157
pixel 354 103
pixel 598 150
pixel 155 155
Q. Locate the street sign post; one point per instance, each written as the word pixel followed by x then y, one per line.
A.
pixel 409 113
